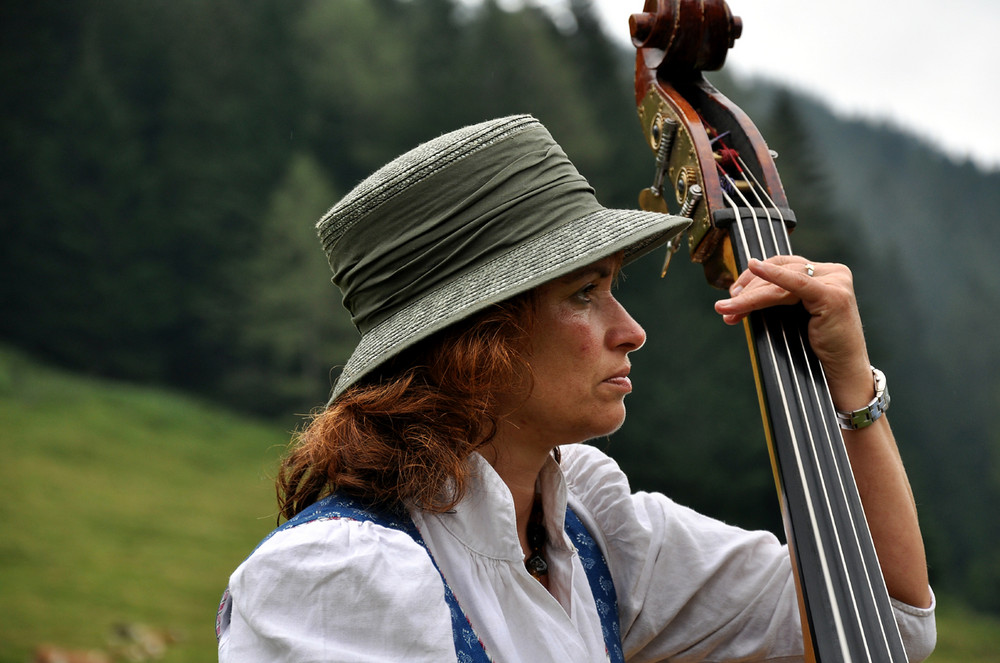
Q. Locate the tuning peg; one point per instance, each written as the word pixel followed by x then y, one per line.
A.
pixel 672 247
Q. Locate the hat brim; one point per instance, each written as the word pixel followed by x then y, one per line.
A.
pixel 545 257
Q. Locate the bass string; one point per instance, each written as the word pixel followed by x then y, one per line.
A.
pixel 815 529
pixel 872 573
pixel 815 383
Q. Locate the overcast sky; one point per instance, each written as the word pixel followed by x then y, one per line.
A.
pixel 932 68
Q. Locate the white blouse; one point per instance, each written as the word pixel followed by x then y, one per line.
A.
pixel 689 588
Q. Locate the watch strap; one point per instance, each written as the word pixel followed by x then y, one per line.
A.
pixel 871 413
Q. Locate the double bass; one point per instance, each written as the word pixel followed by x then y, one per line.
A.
pixel 713 166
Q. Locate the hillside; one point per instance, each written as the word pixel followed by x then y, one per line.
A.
pixel 121 504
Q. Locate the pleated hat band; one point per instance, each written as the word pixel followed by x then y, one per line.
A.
pixel 461 222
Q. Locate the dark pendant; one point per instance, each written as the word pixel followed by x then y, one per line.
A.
pixel 537 538
pixel 536 566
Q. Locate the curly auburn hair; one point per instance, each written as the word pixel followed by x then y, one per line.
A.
pixel 405 437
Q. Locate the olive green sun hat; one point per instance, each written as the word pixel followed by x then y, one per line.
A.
pixel 464 221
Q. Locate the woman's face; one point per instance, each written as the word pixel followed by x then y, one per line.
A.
pixel 578 352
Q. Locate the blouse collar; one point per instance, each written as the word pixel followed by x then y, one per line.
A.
pixel 484 521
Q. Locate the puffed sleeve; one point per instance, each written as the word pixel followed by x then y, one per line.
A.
pixel 337 590
pixel 692 588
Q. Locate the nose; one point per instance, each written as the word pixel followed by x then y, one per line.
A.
pixel 625 333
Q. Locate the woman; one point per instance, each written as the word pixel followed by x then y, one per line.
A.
pixel 443 507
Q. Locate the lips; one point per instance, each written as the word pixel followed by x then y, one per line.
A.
pixel 620 379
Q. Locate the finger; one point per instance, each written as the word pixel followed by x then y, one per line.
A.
pixel 766 284
pixel 747 277
pixel 773 280
pixel 796 276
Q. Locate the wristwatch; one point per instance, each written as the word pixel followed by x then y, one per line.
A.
pixel 869 414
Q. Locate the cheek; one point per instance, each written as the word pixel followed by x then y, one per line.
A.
pixel 572 340
pixel 586 347
pixel 580 337
pixel 573 330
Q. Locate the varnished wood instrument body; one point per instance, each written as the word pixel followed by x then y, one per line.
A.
pixel 714 166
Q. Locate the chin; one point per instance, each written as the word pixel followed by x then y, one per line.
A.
pixel 609 427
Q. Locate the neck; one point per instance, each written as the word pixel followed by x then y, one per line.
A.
pixel 519 467
pixel 520 475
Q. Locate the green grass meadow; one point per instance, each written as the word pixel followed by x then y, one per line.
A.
pixel 127 504
pixel 121 504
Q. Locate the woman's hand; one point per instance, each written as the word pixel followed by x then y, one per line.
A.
pixel 826 290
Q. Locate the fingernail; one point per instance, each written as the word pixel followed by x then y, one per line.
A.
pixel 735 290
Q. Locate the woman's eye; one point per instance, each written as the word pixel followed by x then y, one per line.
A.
pixel 586 292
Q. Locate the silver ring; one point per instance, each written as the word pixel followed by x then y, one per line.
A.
pixel 810 269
